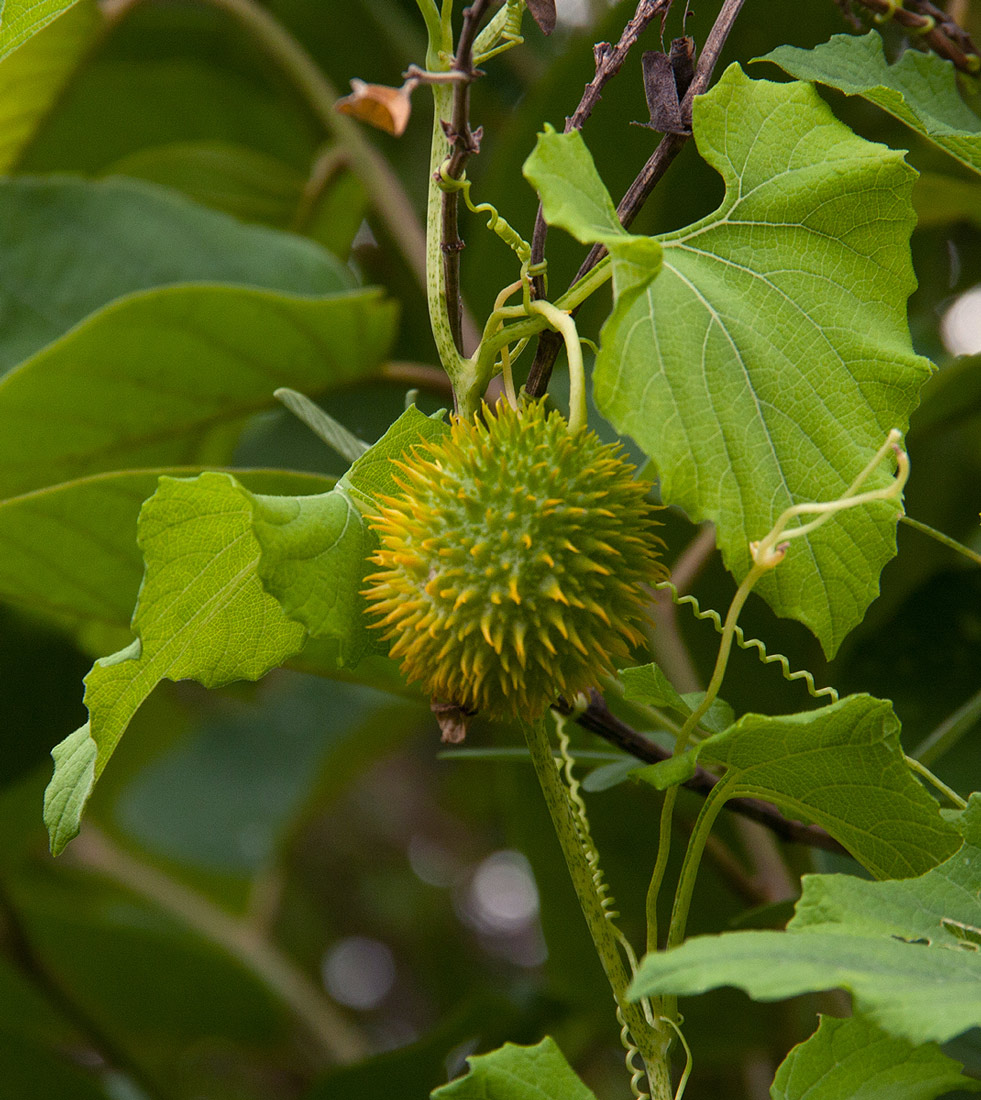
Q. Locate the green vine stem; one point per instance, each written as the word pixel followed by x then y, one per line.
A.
pixel 651 1041
pixel 770 551
pixel 924 773
pixel 944 540
pixel 767 554
pixel 949 732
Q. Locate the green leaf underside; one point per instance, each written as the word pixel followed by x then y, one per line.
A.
pixel 70 246
pixel 144 380
pixel 920 89
pixel 315 548
pixel 889 944
pixel 202 615
pixel 20 19
pixel 513 1072
pixel 70 550
pixel 766 363
pixel 32 78
pixel 854 1060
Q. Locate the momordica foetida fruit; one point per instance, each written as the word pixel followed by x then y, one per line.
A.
pixel 512 565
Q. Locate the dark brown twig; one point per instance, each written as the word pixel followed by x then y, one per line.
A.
pixel 609 61
pixel 936 28
pixel 598 719
pixel 640 190
pixel 464 142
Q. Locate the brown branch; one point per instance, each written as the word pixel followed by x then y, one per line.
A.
pixel 640 190
pixel 937 29
pixel 609 61
pixel 598 719
pixel 464 142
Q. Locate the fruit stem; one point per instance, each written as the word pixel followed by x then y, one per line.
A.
pixel 563 323
pixel 651 1040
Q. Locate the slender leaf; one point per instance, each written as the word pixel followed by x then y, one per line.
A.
pixel 768 360
pixel 919 89
pixel 855 1060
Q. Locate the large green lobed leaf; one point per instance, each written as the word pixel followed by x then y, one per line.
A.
pixel 907 951
pixel 69 552
pixel 234 582
pixel 517 1073
pixel 855 1060
pixel 920 89
pixel 315 548
pixel 841 767
pixel 766 363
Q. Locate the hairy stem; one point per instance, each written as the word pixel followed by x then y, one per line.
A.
pixel 463 144
pixel 650 1041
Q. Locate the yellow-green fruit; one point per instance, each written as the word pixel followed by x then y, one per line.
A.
pixel 512 566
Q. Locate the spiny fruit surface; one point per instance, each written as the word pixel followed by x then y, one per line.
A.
pixel 511 565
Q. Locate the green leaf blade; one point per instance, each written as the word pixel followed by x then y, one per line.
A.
pixel 920 89
pixel 854 1060
pixel 831 766
pixel 889 944
pixel 102 239
pixel 202 615
pixel 793 360
pixel 32 78
pixel 22 19
pixel 574 197
pixel 517 1073
pixel 143 381
pixel 314 556
pixel 315 549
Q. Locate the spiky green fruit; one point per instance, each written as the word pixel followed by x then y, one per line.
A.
pixel 512 565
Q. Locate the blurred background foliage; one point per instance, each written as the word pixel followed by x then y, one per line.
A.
pixel 285 888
